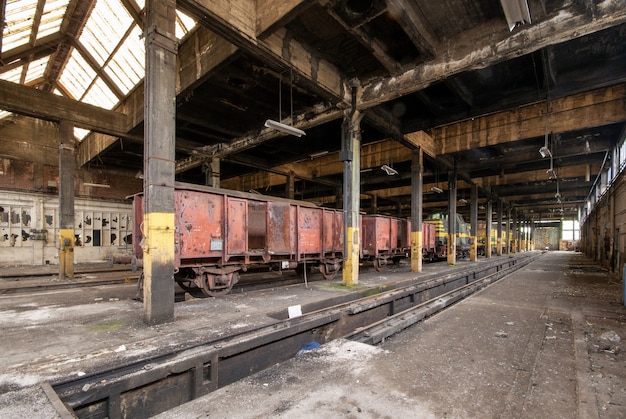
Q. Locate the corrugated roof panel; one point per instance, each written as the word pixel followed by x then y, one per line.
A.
pixel 52 17
pixel 77 75
pixel 18 17
pixel 13 75
pixel 126 67
pixel 100 95
pixel 36 69
pixel 108 22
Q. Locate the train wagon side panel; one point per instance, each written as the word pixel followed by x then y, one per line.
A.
pixel 309 225
pixel 429 239
pixel 236 233
pixel 199 225
pixel 278 229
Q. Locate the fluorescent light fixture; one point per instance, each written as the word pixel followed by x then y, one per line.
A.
pixel 463 201
pixel 97 185
pixel 545 152
pixel 318 154
pixel 436 189
pixel 516 12
pixel 482 207
pixel 389 170
pixel 551 173
pixel 287 129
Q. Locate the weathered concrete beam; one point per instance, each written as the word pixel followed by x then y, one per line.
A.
pixel 487 45
pixel 590 109
pixel 24 100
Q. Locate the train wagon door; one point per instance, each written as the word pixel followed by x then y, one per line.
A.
pixel 236 236
pixel 198 225
pixel 278 228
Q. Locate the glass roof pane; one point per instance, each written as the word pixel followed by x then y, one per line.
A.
pixel 77 75
pixel 13 75
pixel 18 23
pixel 183 24
pixel 36 69
pixel 80 133
pixel 126 67
pixel 53 13
pixel 100 95
pixel 108 22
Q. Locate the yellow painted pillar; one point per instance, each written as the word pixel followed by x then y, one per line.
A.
pixel 417 185
pixel 66 200
pixel 350 155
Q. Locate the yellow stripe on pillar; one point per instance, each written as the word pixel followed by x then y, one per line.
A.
pixel 452 249
pixel 351 262
pixel 416 251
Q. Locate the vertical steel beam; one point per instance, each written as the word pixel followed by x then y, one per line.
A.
pixel 508 230
pixel 474 224
pixel 499 230
pixel 159 160
pixel 417 189
pixel 350 155
pixel 452 218
pixel 488 220
pixel 66 200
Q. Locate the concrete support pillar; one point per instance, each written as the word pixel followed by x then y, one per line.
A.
pixel 508 231
pixel 499 230
pixel 338 198
pixel 159 160
pixel 417 189
pixel 474 224
pixel 488 221
pixel 211 171
pixel 374 200
pixel 452 218
pixel 290 186
pixel 351 155
pixel 66 200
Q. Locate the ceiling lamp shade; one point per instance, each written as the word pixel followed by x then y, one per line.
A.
pixel 436 189
pixel 516 12
pixel 284 128
pixel 389 170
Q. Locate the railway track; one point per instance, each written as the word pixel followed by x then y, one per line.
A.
pixel 202 368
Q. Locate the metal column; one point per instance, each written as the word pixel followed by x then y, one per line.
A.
pixel 159 164
pixel 66 200
pixel 452 218
pixel 499 230
pixel 350 155
pixel 417 186
pixel 488 220
pixel 211 171
pixel 508 231
pixel 474 224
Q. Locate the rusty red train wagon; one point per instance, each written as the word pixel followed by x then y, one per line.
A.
pixel 386 239
pixel 219 233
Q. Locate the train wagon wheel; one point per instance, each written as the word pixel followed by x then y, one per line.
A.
pixel 218 285
pixel 326 272
pixel 380 264
pixel 186 280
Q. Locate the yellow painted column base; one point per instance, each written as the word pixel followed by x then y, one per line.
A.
pixel 452 249
pixel 66 253
pixel 473 249
pixel 416 251
pixel 351 260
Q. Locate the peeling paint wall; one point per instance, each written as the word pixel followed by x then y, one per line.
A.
pixel 29 228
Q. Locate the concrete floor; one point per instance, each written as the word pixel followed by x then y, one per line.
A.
pixel 543 342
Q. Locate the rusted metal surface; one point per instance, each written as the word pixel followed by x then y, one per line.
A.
pixel 221 232
pixel 384 238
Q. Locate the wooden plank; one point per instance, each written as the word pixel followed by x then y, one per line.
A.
pixel 271 13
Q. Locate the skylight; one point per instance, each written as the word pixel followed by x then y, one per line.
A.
pixel 105 62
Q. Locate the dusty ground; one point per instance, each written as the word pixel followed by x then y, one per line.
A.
pixel 545 342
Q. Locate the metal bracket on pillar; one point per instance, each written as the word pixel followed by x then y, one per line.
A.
pixel 165 40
